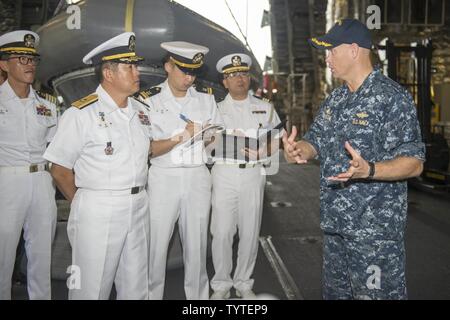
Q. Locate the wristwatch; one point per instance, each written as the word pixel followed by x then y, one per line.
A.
pixel 371 170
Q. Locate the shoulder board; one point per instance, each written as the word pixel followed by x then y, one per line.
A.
pixel 263 99
pixel 142 102
pixel 47 97
pixel 144 94
pixel 84 102
pixel 202 89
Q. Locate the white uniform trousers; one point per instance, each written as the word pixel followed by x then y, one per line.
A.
pixel 237 203
pixel 182 194
pixel 27 200
pixel 108 231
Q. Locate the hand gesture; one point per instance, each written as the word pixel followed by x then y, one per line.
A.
pixel 255 155
pixel 292 149
pixel 359 168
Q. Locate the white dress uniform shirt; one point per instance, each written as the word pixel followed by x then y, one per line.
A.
pixel 81 145
pixel 253 116
pixel 25 127
pixel 108 148
pixel 27 197
pixel 165 112
pixel 179 187
pixel 237 198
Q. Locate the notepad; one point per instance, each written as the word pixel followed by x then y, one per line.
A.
pixel 205 134
pixel 229 146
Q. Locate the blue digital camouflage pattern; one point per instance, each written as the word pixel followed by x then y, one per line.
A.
pixel 379 121
pixel 364 270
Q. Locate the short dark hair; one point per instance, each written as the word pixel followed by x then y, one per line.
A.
pixel 166 59
pixel 105 65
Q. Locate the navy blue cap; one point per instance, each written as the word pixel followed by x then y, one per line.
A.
pixel 344 31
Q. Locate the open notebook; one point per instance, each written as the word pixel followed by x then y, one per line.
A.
pixel 205 134
pixel 229 146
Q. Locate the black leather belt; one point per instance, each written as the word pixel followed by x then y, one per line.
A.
pixel 135 190
pixel 246 165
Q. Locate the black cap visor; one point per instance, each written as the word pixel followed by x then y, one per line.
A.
pixel 190 71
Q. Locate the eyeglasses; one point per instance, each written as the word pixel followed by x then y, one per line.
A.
pixel 236 74
pixel 34 61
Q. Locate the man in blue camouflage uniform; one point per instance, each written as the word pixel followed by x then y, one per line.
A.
pixel 367 138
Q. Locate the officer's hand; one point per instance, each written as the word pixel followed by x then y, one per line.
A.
pixel 359 168
pixel 266 150
pixel 292 149
pixel 192 128
pixel 209 139
pixel 255 155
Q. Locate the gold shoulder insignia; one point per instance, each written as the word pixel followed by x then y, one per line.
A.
pixel 263 99
pixel 203 89
pixel 144 94
pixel 47 97
pixel 141 102
pixel 84 102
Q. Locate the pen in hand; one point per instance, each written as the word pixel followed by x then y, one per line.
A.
pixel 191 127
pixel 184 118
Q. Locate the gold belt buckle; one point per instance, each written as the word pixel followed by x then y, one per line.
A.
pixel 34 168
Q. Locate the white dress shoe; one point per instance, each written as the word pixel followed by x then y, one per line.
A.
pixel 220 295
pixel 246 294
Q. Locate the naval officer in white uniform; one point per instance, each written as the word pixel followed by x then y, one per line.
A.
pixel 179 183
pixel 238 186
pixel 27 198
pixel 105 139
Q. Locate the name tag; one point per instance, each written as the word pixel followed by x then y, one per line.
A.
pixel 259 111
pixel 360 122
pixel 361 119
